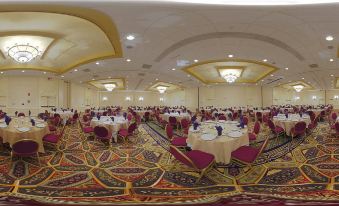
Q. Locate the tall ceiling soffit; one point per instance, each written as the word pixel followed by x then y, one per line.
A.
pixel 61 37
pixel 118 82
pixel 241 35
pixel 292 85
pixel 247 71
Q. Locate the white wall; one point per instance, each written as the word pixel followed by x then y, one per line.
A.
pixel 285 96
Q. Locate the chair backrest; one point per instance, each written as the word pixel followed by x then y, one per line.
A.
pixel 25 146
pixel 172 120
pixel 75 116
pixel 131 128
pixel 300 126
pixel 256 128
pixel 180 156
pixel 184 123
pixel 263 146
pixel 222 117
pixel 258 114
pixel 129 117
pixel 271 124
pixel 334 116
pixel 169 131
pixel 21 114
pixel 85 118
pixel 245 120
pixel 100 131
pixel 147 114
pixel 336 127
pixel 57 121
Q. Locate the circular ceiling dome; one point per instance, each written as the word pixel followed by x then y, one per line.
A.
pixel 248 2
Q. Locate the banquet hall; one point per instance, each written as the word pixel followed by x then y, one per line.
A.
pixel 169 102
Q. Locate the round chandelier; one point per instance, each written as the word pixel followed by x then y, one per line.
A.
pixel 23 53
pixel 109 87
pixel 298 88
pixel 161 89
pixel 230 78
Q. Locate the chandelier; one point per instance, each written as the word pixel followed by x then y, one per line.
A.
pixel 161 89
pixel 298 88
pixel 109 87
pixel 230 78
pixel 23 53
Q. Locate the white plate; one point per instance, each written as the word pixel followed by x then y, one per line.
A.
pixel 234 122
pixel 2 120
pixel 235 134
pixel 23 129
pixel 3 125
pixel 222 120
pixel 192 129
pixel 209 121
pixel 208 136
pixel 40 125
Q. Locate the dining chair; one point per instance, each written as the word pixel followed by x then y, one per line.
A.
pixel 173 121
pixel 199 161
pixel 222 117
pixel 125 133
pixel 25 148
pixel 175 140
pixel 185 124
pixel 275 129
pixel 147 116
pixel 21 114
pixel 55 123
pixel 256 129
pixel 53 138
pixel 259 116
pixel 299 129
pixel 102 134
pixel 248 154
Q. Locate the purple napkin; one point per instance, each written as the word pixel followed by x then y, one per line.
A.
pixel 194 118
pixel 7 119
pixel 219 129
pixel 33 122
pixel 195 125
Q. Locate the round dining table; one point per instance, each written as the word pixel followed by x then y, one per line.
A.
pixel 21 128
pixel 178 116
pixel 205 138
pixel 288 123
pixel 113 127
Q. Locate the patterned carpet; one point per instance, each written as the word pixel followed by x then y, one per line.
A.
pixel 84 171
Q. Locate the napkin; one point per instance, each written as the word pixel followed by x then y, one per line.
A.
pixel 195 125
pixel 194 118
pixel 112 118
pixel 7 119
pixel 219 129
pixel 16 113
pixel 125 115
pixel 33 122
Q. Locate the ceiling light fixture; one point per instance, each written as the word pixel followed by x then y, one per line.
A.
pixel 195 60
pixel 329 38
pixel 23 71
pixel 286 68
pixel 75 70
pixel 331 60
pixel 128 98
pixel 130 37
pixel 173 69
pixel 23 53
pixel 264 60
pixel 298 87
pixel 161 89
pixel 230 55
pixel 230 77
pixel 141 99
pixel 109 87
pixel 45 72
pixel 161 99
pixel 97 63
pixel 128 60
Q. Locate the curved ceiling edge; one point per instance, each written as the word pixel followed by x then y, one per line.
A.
pixel 242 35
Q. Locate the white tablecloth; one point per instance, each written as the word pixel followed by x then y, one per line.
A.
pixel 112 127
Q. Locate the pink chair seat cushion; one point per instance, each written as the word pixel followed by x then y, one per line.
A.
pixel 252 136
pixel 245 153
pixel 279 129
pixel 52 128
pixel 88 129
pixel 179 141
pixel 333 127
pixel 199 158
pixel 123 132
pixel 52 138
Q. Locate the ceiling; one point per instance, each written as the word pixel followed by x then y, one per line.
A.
pixel 169 36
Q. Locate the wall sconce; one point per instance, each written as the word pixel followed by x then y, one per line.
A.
pixel 104 98
pixel 128 98
pixel 141 99
pixel 336 97
pixel 161 99
pixel 314 97
pixel 296 98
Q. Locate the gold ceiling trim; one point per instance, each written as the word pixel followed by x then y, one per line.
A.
pixel 298 82
pixel 336 83
pixel 109 81
pixel 101 20
pixel 189 69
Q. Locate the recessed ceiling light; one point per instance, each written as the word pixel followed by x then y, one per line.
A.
pixel 1 72
pixel 23 71
pixel 303 78
pixel 329 38
pixel 272 75
pixel 195 60
pixel 290 81
pixel 173 69
pixel 188 75
pixel 130 37
pixel 80 81
pixel 109 77
pixel 128 60
pixel 286 68
pixel 97 63
pixel 156 79
pixel 230 55
pixel 332 75
pixel 62 76
pixel 262 80
pixel 264 60
pixel 75 70
pixel 44 72
pixel 331 60
pixel 93 79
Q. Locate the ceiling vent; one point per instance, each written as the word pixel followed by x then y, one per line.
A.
pixel 95 76
pixel 330 47
pixel 86 70
pixel 313 65
pixel 146 66
pixel 141 74
pixel 129 47
pixel 270 81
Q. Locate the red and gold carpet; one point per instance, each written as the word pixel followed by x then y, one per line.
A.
pixel 83 171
